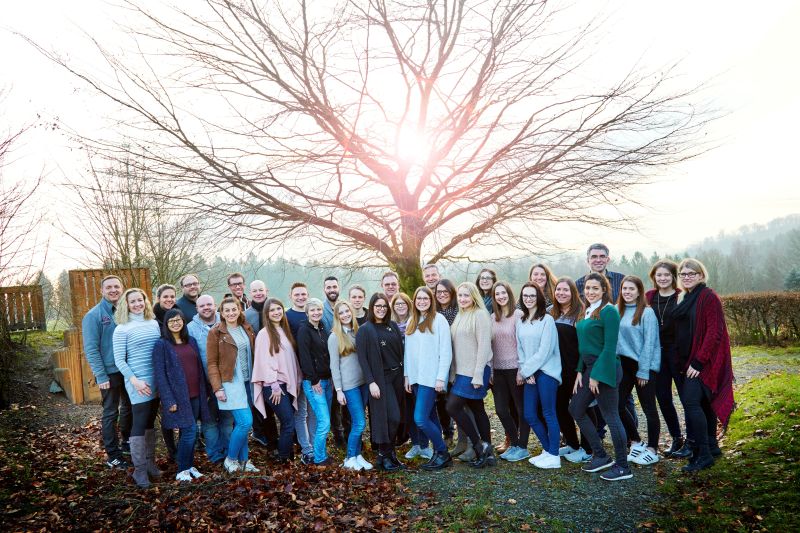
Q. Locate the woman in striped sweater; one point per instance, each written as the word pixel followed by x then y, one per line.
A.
pixel 134 338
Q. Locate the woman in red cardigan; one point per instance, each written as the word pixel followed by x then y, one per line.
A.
pixel 704 352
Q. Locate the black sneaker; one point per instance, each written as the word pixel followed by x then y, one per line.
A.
pixel 118 462
pixel 700 463
pixel 616 473
pixel 597 464
pixel 307 459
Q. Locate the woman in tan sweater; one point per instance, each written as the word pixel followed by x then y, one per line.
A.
pixel 472 351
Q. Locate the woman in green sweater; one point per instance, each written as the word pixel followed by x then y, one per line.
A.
pixel 599 375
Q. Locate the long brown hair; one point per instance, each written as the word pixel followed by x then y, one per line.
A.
pixel 606 299
pixel 416 322
pixel 549 285
pixel 510 306
pixel 641 301
pixel 541 306
pixel 451 290
pixel 576 307
pixel 272 330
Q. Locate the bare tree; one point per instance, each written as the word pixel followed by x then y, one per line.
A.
pixel 391 131
pixel 132 223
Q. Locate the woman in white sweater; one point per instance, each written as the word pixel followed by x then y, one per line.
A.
pixel 540 367
pixel 427 358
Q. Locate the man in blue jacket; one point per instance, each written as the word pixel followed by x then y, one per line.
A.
pixel 98 329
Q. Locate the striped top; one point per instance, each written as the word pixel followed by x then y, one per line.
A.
pixel 133 354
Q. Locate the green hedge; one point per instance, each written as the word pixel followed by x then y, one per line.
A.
pixel 763 317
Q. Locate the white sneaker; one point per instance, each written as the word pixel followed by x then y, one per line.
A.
pixel 249 467
pixel 231 465
pixel 366 465
pixel 564 450
pixel 195 472
pixel 646 458
pixel 548 461
pixel 183 476
pixel 578 456
pixel 413 452
pixel 426 453
pixel 637 449
pixel 533 460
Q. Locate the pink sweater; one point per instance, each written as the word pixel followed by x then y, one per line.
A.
pixel 269 369
pixel 504 342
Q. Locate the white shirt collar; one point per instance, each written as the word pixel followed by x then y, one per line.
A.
pixel 591 308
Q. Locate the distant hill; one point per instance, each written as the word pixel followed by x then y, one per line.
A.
pixel 750 234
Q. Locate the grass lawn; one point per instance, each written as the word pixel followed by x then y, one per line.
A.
pixel 756 484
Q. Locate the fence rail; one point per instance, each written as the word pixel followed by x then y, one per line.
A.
pixel 23 308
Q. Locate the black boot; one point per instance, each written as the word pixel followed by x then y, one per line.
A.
pixel 384 462
pixel 395 460
pixel 701 459
pixel 677 444
pixel 483 453
pixel 439 461
pixel 685 452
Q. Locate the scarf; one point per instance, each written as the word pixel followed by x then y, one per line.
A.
pixel 684 316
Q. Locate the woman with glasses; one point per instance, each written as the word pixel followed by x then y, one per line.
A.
pixel 379 345
pixel 181 384
pixel 427 357
pixel 485 281
pixel 446 306
pixel 704 354
pixel 663 299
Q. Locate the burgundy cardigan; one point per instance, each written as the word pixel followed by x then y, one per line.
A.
pixel 711 347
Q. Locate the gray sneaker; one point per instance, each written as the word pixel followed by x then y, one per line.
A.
pixel 616 473
pixel 597 464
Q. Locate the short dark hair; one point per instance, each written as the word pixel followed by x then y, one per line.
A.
pixel 597 246
pixel 195 276
pixel 234 275
pixel 331 278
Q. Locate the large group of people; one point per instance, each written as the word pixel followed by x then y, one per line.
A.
pixel 560 357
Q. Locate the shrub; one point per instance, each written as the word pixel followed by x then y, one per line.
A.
pixel 763 317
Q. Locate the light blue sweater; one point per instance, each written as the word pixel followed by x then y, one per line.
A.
pixel 428 355
pixel 199 330
pixel 640 342
pixel 133 354
pixel 97 329
pixel 537 346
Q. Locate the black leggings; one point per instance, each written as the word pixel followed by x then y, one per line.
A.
pixel 700 417
pixel 444 416
pixel 455 406
pixel 144 417
pixel 668 374
pixel 507 394
pixel 647 399
pixel 565 421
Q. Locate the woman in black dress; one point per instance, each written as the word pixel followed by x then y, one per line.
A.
pixel 379 345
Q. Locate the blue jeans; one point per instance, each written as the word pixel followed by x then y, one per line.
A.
pixel 426 418
pixel 242 423
pixel 187 437
pixel 543 391
pixel 356 400
pixel 304 422
pixel 320 403
pixel 417 436
pixel 285 413
pixel 217 432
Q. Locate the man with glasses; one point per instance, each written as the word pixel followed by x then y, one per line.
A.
pixel 190 285
pixel 597 257
pixel 236 285
pixel 390 284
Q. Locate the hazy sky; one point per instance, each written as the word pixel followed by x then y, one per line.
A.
pixel 750 53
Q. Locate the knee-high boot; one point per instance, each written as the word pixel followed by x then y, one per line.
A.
pixel 150 442
pixel 139 458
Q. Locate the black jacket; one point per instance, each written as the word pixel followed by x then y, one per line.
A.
pixel 312 350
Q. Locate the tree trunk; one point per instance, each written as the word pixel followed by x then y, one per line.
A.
pixel 409 270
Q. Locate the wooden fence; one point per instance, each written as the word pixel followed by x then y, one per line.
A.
pixel 23 308
pixel 70 367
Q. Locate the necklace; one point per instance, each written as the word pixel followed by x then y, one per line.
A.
pixel 662 311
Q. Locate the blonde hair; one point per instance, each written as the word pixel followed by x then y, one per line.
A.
pixel 122 315
pixel 313 303
pixel 409 304
pixel 345 342
pixel 466 318
pixel 695 265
